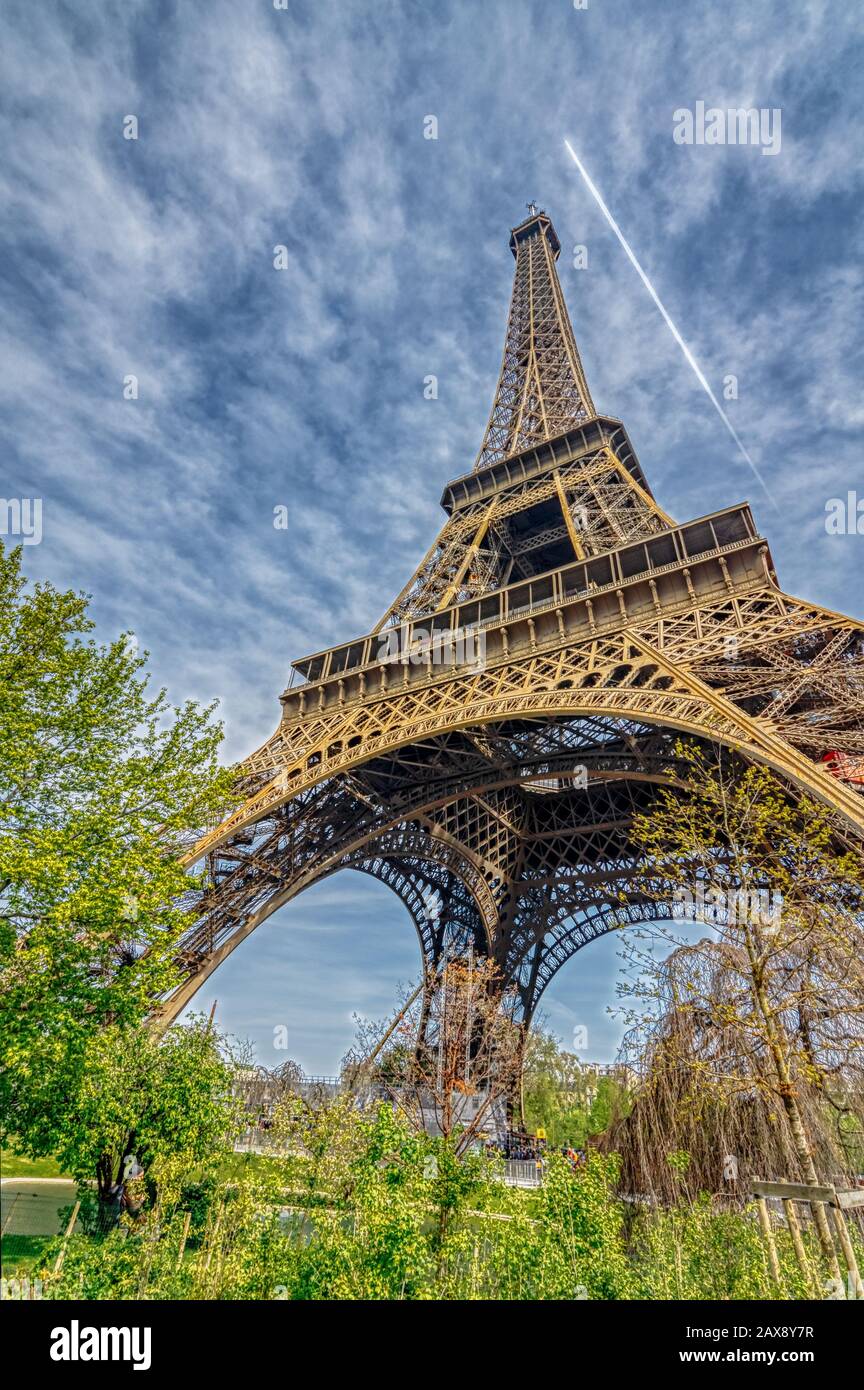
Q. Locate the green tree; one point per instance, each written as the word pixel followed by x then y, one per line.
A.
pixel 103 784
pixel 170 1101
pixel 570 1103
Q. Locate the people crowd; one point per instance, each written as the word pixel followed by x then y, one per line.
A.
pixel 517 1144
pixel 575 1157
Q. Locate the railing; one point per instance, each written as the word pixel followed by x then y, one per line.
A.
pixel 558 600
pixel 523 1172
pixel 509 596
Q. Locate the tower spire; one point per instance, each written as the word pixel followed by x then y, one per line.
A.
pixel 542 391
pixel 487 746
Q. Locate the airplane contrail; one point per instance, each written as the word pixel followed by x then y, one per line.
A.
pixel 700 375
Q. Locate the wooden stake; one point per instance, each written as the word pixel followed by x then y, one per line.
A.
pixel 214 1231
pixel 187 1218
pixel 800 1252
pixel 765 1222
pixel 834 1264
pixel 58 1263
pixel 857 1289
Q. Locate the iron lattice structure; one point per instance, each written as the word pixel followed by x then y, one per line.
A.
pixel 484 749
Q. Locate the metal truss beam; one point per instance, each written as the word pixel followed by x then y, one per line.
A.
pixel 494 793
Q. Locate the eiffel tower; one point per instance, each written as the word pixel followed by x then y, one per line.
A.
pixel 483 750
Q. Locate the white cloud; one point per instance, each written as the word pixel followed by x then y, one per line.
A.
pixel 303 388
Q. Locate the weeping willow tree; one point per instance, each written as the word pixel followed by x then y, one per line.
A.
pixel 264 1089
pixel 708 1090
pixel 750 1043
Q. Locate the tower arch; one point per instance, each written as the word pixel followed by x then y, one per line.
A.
pixel 491 738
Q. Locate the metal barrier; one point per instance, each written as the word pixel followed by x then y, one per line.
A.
pixel 523 1172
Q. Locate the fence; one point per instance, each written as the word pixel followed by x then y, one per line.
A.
pixel 522 1172
pixel 835 1203
pixel 32 1215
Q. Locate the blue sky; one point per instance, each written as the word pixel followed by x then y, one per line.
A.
pixel 303 388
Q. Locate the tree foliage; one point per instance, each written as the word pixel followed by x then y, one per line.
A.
pixel 102 786
pixel 171 1101
pixel 569 1101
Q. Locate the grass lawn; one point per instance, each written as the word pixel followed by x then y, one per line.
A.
pixel 13 1166
pixel 22 1253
